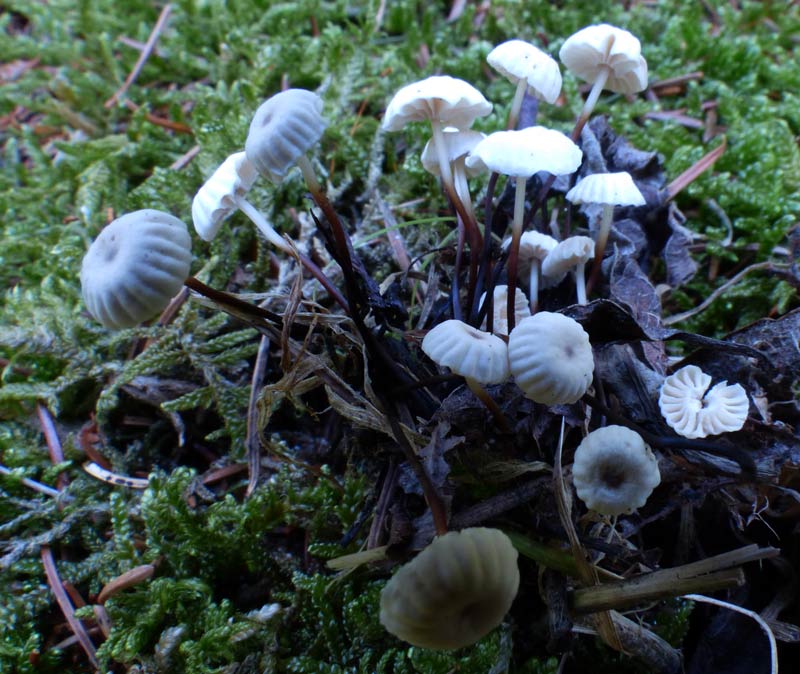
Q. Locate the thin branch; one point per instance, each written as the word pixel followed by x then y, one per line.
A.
pixel 32 484
pixel 48 425
pixel 677 318
pixel 689 175
pixel 253 439
pixel 149 46
pixel 65 605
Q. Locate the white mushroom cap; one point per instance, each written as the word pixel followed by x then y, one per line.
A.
pixel 214 201
pixel 519 60
pixel 134 267
pixel 467 351
pixel 532 246
pixel 551 358
pixel 458 143
pixel 525 152
pixel 612 189
pixel 594 48
pixel 500 309
pixel 693 413
pixel 448 100
pixel 283 129
pixel 567 254
pixel 454 592
pixel 614 471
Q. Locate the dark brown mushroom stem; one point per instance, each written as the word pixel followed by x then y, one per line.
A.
pixel 483 395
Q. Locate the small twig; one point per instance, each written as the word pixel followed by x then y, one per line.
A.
pixel 178 127
pixel 253 438
pixel 689 175
pixel 147 50
pixel 32 484
pixel 48 425
pixel 183 161
pixel 104 475
pixel 773 646
pixel 65 605
pixel 134 576
pixel 677 318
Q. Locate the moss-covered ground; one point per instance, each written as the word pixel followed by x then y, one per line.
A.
pixel 240 584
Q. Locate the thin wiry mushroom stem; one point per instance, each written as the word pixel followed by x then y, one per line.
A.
pixel 488 402
pixel 580 282
pixel 513 253
pixel 516 103
pixel 591 101
pixel 533 284
pixel 258 219
pixel 600 245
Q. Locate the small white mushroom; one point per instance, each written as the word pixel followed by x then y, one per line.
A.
pixel 217 199
pixel 520 155
pixel 695 413
pixel 572 252
pixel 443 101
pixel 134 267
pixel 458 144
pixel 500 309
pixel 608 58
pixel 551 358
pixel 529 68
pixel 480 357
pixel 534 247
pixel 614 471
pixel 454 592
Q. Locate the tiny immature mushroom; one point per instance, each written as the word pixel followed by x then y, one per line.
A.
pixel 614 471
pixel 694 411
pixel 551 358
pixel 480 357
pixel 134 267
pixel 607 190
pixel 575 252
pixel 454 592
pixel 500 306
pixel 530 69
pixel 606 57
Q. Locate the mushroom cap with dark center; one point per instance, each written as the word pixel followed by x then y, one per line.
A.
pixel 284 128
pixel 136 265
pixel 467 351
pixel 614 471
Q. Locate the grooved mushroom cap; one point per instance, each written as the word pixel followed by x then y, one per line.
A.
pixel 458 142
pixel 517 60
pixel 467 351
pixel 612 189
pixel 214 200
pixel 525 152
pixel 134 267
pixel 693 413
pixel 283 129
pixel 568 253
pixel 594 48
pixel 448 100
pixel 500 309
pixel 454 592
pixel 532 246
pixel 551 358
pixel 614 471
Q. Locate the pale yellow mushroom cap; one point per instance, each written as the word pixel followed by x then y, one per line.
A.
pixel 284 128
pixel 214 201
pixel 595 48
pixel 614 471
pixel 447 100
pixel 500 309
pixel 518 60
pixel 134 267
pixel 467 351
pixel 551 358
pixel 454 592
pixel 694 413
pixel 611 189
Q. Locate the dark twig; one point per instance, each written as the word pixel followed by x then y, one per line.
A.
pixel 253 438
pixel 147 50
